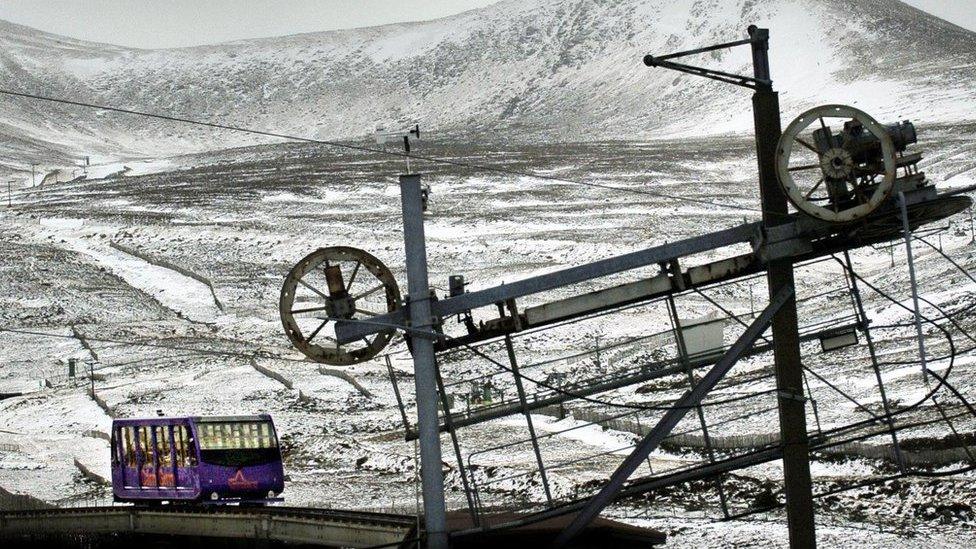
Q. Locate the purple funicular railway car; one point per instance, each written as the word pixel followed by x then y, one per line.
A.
pixel 219 459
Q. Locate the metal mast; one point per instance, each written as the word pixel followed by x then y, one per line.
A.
pixel 789 369
pixel 425 370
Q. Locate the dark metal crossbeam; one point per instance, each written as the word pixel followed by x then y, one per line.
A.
pixel 728 78
pixel 667 423
pixel 705 49
pixel 750 82
pixel 353 331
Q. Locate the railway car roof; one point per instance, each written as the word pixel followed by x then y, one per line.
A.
pixel 197 419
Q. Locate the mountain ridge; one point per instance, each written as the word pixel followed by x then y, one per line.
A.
pixel 530 69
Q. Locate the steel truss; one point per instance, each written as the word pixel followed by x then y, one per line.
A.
pixel 777 243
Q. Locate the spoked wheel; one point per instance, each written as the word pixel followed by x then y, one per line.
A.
pixel 823 169
pixel 334 284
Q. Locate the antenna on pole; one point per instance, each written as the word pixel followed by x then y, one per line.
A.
pixel 383 136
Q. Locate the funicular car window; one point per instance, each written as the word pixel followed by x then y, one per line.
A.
pixel 121 445
pixel 236 435
pixel 145 444
pixel 130 446
pixel 237 443
pixel 163 446
pixel 185 454
pixel 118 449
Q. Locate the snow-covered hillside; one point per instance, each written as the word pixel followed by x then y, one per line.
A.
pixel 521 69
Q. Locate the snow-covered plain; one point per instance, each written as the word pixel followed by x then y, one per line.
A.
pixel 241 218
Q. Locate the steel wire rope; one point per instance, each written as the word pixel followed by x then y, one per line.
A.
pixel 950 317
pixel 256 354
pixel 623 405
pixel 568 504
pixel 610 346
pixel 928 395
pixel 259 354
pixel 824 434
pixel 362 148
pixel 578 396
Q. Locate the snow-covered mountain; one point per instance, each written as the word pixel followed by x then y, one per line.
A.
pixel 519 69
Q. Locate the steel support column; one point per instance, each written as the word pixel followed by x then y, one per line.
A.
pixel 679 338
pixel 425 368
pixel 866 330
pixel 528 416
pixel 789 370
pixel 911 272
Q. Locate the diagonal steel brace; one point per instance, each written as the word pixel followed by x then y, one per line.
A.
pixel 687 402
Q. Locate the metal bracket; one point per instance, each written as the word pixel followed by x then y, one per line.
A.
pixel 409 330
pixel 729 78
pixel 786 395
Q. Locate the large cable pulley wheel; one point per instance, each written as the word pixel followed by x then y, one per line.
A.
pixel 836 163
pixel 331 285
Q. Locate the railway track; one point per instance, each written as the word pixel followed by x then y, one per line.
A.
pixel 324 527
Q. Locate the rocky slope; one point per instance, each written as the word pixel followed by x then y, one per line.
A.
pixel 523 69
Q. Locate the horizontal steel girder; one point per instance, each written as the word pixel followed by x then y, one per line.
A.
pixel 293 525
pixel 349 331
pixel 791 239
pixel 653 371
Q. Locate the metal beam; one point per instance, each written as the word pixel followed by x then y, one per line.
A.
pixel 615 296
pixel 513 362
pixel 353 331
pixel 788 239
pixel 779 275
pixel 911 272
pixel 586 390
pixel 688 401
pixel 324 527
pixel 424 366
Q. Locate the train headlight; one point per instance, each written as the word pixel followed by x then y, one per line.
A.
pixel 271 494
pixel 214 496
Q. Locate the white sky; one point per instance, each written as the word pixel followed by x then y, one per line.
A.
pixel 174 23
pixel 960 12
pixel 170 23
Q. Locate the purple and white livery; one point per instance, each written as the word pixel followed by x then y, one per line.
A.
pixel 217 459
